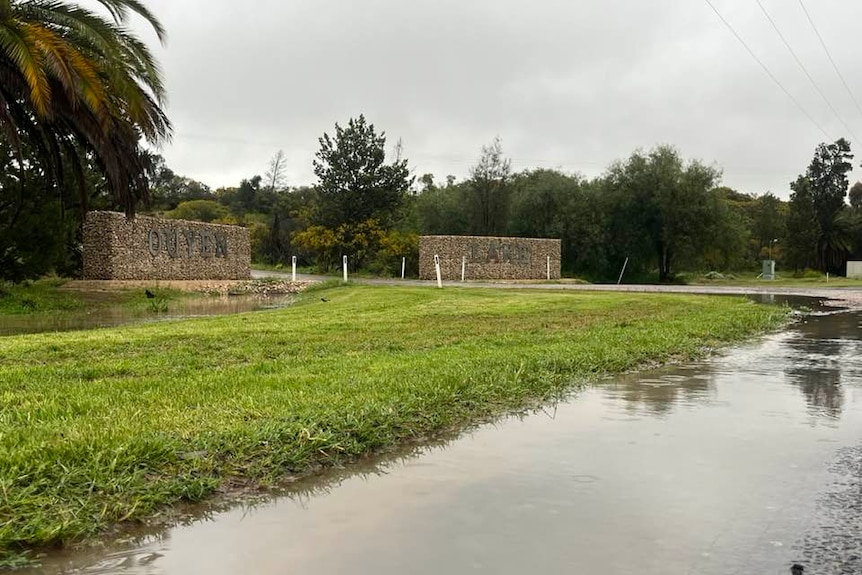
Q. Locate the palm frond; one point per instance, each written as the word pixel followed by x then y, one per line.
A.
pixel 17 44
pixel 120 9
pixel 76 82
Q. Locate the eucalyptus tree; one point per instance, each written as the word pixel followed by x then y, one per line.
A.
pixel 663 208
pixel 489 191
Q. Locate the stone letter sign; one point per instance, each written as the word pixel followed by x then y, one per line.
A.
pixel 499 250
pixel 206 243
pixel 489 258
pixel 146 248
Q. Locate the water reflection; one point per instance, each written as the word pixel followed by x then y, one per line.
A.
pixel 137 551
pixel 106 315
pixel 661 392
pixel 817 373
pixel 709 468
pixel 818 358
pixel 814 357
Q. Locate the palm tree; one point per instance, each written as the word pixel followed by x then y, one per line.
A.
pixel 836 243
pixel 76 83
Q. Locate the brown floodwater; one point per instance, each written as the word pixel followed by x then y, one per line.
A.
pixel 111 315
pixel 715 467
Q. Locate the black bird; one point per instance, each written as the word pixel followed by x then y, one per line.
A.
pixel 797 569
pixel 323 299
pixel 150 295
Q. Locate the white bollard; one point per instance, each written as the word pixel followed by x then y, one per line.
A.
pixel 293 274
pixel 463 270
pixel 345 269
pixel 625 265
pixel 403 267
pixel 549 268
pixel 439 274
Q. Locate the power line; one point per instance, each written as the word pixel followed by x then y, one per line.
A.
pixel 831 60
pixel 767 70
pixel 805 70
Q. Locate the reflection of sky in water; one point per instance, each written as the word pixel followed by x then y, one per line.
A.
pixel 662 393
pixel 709 468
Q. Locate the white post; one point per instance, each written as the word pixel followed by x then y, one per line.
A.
pixel 345 269
pixel 549 268
pixel 827 277
pixel 463 269
pixel 293 264
pixel 439 275
pixel 623 271
pixel 403 267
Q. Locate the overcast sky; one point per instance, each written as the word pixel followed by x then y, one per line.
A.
pixel 569 84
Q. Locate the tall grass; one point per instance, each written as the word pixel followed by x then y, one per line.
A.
pixel 110 425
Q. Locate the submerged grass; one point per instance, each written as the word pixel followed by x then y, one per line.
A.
pixel 40 296
pixel 50 297
pixel 107 426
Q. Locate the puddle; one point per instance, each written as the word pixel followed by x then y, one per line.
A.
pixel 710 468
pixel 107 315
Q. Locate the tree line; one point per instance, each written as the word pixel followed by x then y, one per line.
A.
pixel 81 94
pixel 661 212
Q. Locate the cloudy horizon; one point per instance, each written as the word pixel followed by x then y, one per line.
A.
pixel 566 85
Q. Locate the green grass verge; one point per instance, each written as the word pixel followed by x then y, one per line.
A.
pixel 783 279
pixel 110 425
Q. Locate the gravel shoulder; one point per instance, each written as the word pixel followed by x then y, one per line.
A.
pixel 833 544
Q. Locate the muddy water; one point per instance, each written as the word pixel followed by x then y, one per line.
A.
pixel 711 468
pixel 105 315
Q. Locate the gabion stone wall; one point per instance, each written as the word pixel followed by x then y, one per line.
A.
pixel 147 248
pixel 489 258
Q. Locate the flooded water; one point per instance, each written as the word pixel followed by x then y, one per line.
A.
pixel 730 465
pixel 105 315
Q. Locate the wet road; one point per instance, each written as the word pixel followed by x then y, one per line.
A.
pixel 744 463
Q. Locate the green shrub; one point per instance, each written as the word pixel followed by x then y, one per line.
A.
pixel 808 273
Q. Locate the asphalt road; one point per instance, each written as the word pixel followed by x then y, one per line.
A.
pixel 850 294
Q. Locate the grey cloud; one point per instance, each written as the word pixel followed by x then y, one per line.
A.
pixel 571 84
